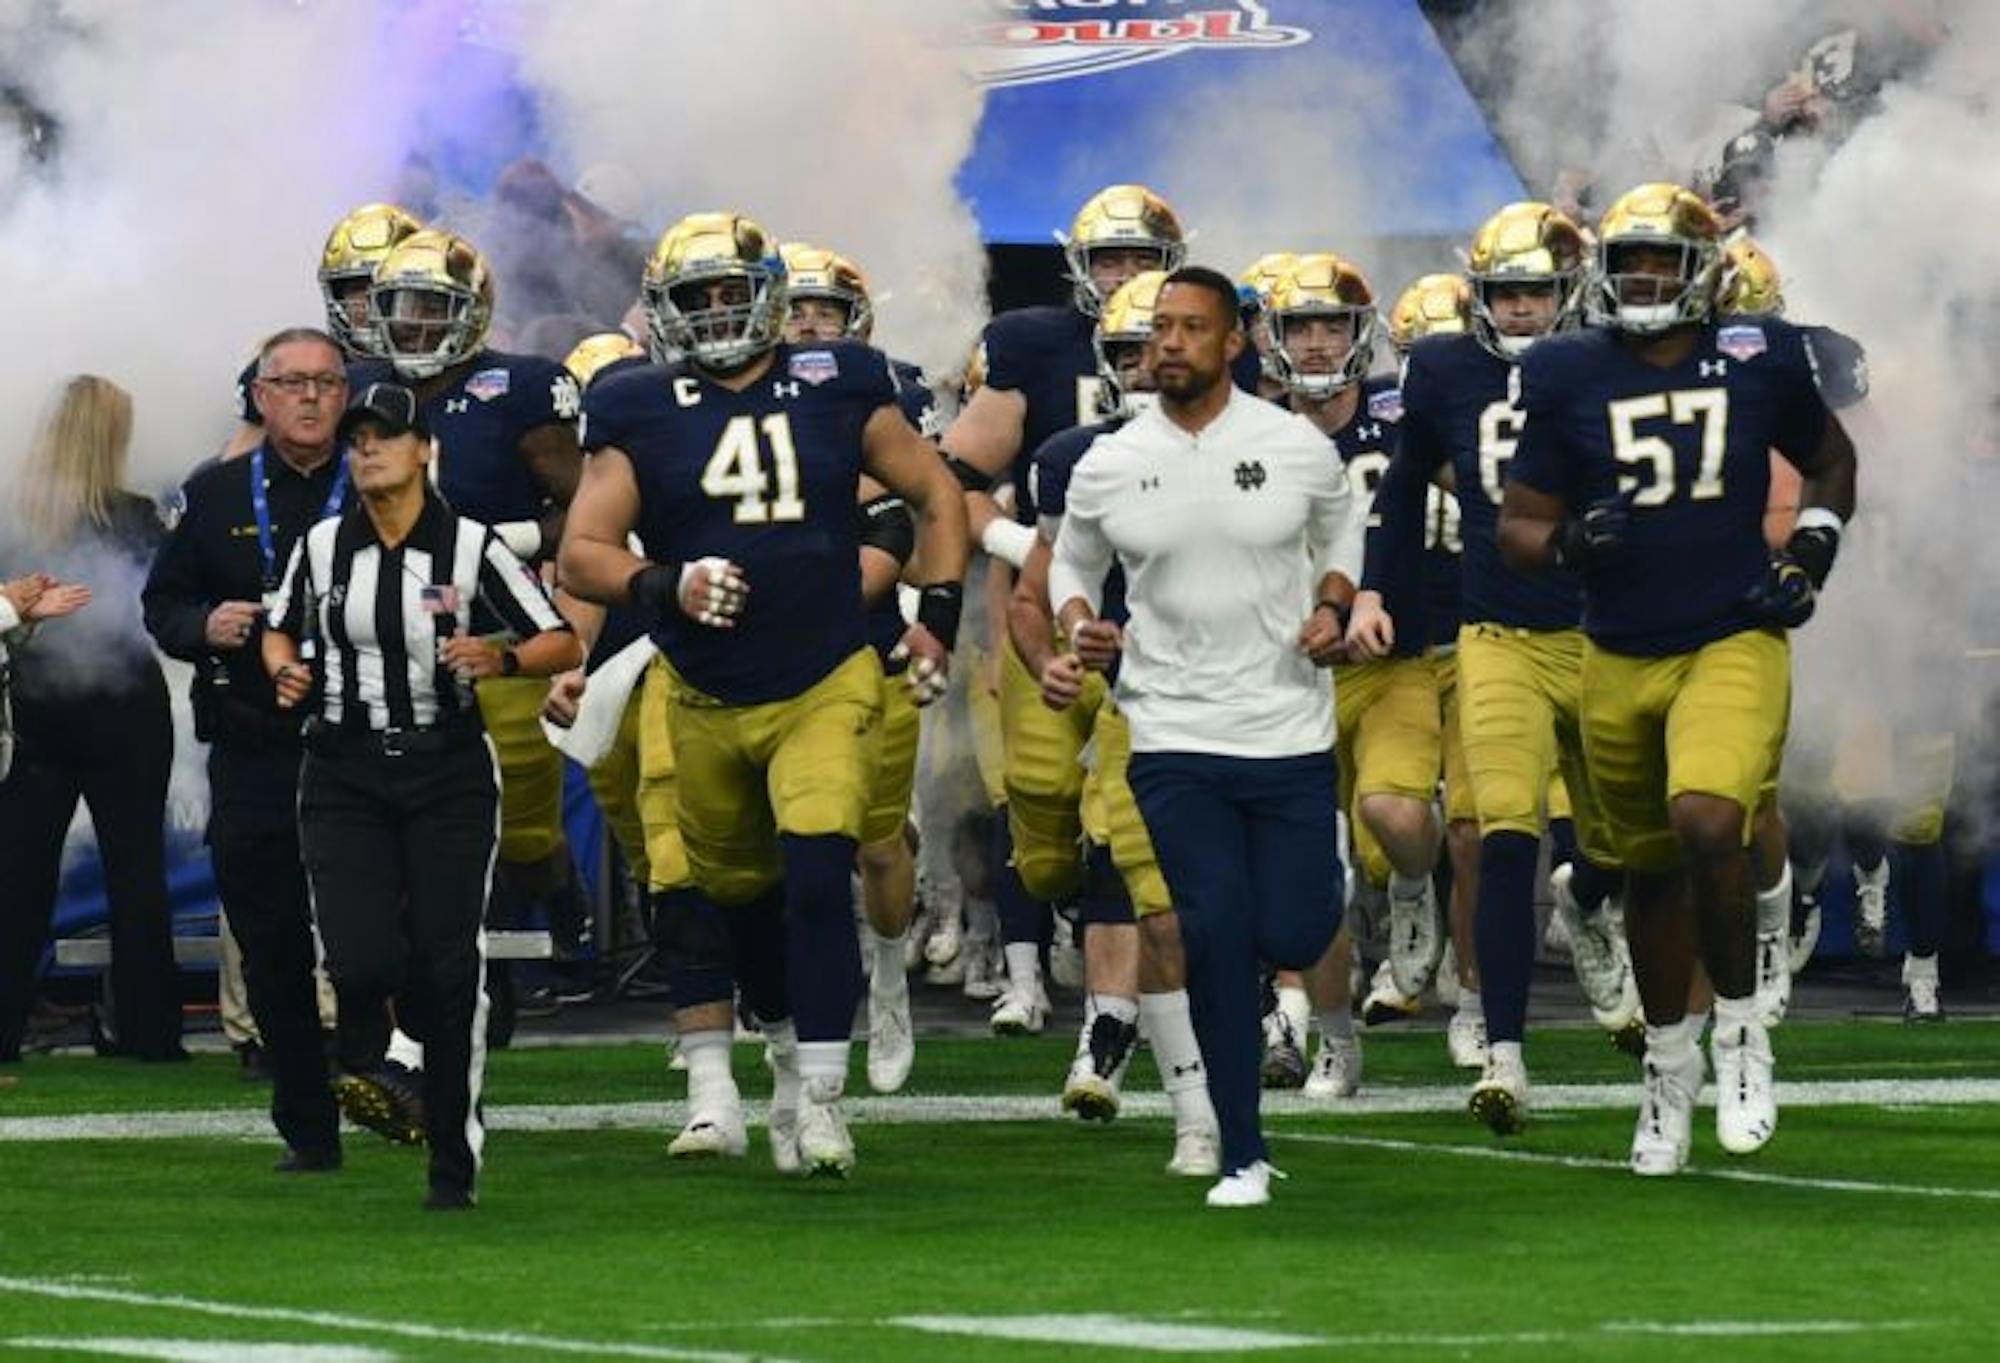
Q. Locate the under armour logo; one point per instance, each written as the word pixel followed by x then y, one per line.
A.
pixel 457 405
pixel 780 388
pixel 1249 476
pixel 1372 432
pixel 1713 369
pixel 1149 484
pixel 1192 1068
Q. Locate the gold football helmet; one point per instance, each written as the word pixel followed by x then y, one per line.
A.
pixel 594 353
pixel 1122 330
pixel 1321 285
pixel 347 264
pixel 1750 283
pixel 1435 305
pixel 813 272
pixel 432 301
pixel 1659 217
pixel 1120 217
pixel 1528 244
pixel 714 291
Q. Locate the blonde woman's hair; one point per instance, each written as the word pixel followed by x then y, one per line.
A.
pixel 77 463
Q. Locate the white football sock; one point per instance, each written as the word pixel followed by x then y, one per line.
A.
pixel 1774 906
pixel 1024 967
pixel 709 1079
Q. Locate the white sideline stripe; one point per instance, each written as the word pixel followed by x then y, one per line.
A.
pixel 903 1110
pixel 1104 1331
pixel 1109 1332
pixel 204 1350
pixel 330 1320
pixel 1487 1152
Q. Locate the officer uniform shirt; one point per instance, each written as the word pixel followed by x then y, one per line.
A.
pixel 382 614
pixel 1224 537
pixel 215 553
pixel 1689 446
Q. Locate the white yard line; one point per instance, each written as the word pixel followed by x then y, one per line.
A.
pixel 922 1109
pixel 60 1290
pixel 1505 1156
pixel 199 1350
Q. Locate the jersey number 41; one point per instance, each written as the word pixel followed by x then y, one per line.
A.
pixel 736 472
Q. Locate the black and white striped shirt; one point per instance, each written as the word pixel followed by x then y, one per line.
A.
pixel 379 616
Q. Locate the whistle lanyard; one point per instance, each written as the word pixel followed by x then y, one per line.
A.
pixel 260 504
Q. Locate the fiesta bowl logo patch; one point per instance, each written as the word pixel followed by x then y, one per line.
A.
pixel 488 384
pixel 1741 343
pixel 814 366
pixel 1029 41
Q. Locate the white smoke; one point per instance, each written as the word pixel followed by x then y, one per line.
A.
pixel 839 122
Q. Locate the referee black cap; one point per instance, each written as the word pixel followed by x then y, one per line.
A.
pixel 389 405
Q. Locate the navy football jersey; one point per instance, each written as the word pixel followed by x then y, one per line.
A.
pixel 1366 444
pixel 766 478
pixel 479 419
pixel 885 625
pixel 1045 355
pixel 1458 412
pixel 1840 364
pixel 1690 447
pixel 1050 473
pixel 917 401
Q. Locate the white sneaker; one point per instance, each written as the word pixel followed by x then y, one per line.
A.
pixel 1666 1117
pixel 783 1121
pixel 1500 1098
pixel 1016 1013
pixel 892 1046
pixel 1415 940
pixel 1387 1003
pixel 1601 968
pixel 711 1133
pixel 1871 908
pixel 1746 1101
pixel 1246 1187
pixel 1336 1071
pixel 1806 939
pixel 825 1149
pixel 946 940
pixel 1197 1152
pixel 1774 977
pixel 1465 1039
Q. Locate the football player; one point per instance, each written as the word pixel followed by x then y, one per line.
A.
pixel 1644 467
pixel 347 264
pixel 1135 970
pixel 1041 377
pixel 505 427
pixel 1254 288
pixel 829 301
pixel 1519 648
pixel 740 473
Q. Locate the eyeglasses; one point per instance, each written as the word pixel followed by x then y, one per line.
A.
pixel 297 385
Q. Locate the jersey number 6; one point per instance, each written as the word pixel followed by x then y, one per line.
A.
pixel 736 471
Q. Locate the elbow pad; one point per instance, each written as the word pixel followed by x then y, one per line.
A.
pixel 886 524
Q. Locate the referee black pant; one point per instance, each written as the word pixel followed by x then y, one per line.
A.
pixel 399 847
pixel 253 841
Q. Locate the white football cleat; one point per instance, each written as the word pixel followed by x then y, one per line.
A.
pixel 1602 970
pixel 1016 1013
pixel 1805 937
pixel 825 1148
pixel 1385 1002
pixel 1746 1100
pixel 892 1046
pixel 946 940
pixel 1336 1071
pixel 1197 1152
pixel 1666 1116
pixel 1092 1096
pixel 714 1132
pixel 1871 908
pixel 1465 1039
pixel 985 974
pixel 1246 1187
pixel 1500 1098
pixel 1065 955
pixel 1415 939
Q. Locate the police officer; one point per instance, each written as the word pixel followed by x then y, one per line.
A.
pixel 204 604
pixel 399 791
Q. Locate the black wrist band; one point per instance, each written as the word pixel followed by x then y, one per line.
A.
pixel 938 608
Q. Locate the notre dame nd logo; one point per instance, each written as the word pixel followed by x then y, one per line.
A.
pixel 1249 476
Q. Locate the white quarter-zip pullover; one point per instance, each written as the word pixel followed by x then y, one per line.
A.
pixel 1224 537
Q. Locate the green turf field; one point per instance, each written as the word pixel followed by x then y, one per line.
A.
pixel 977 1229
